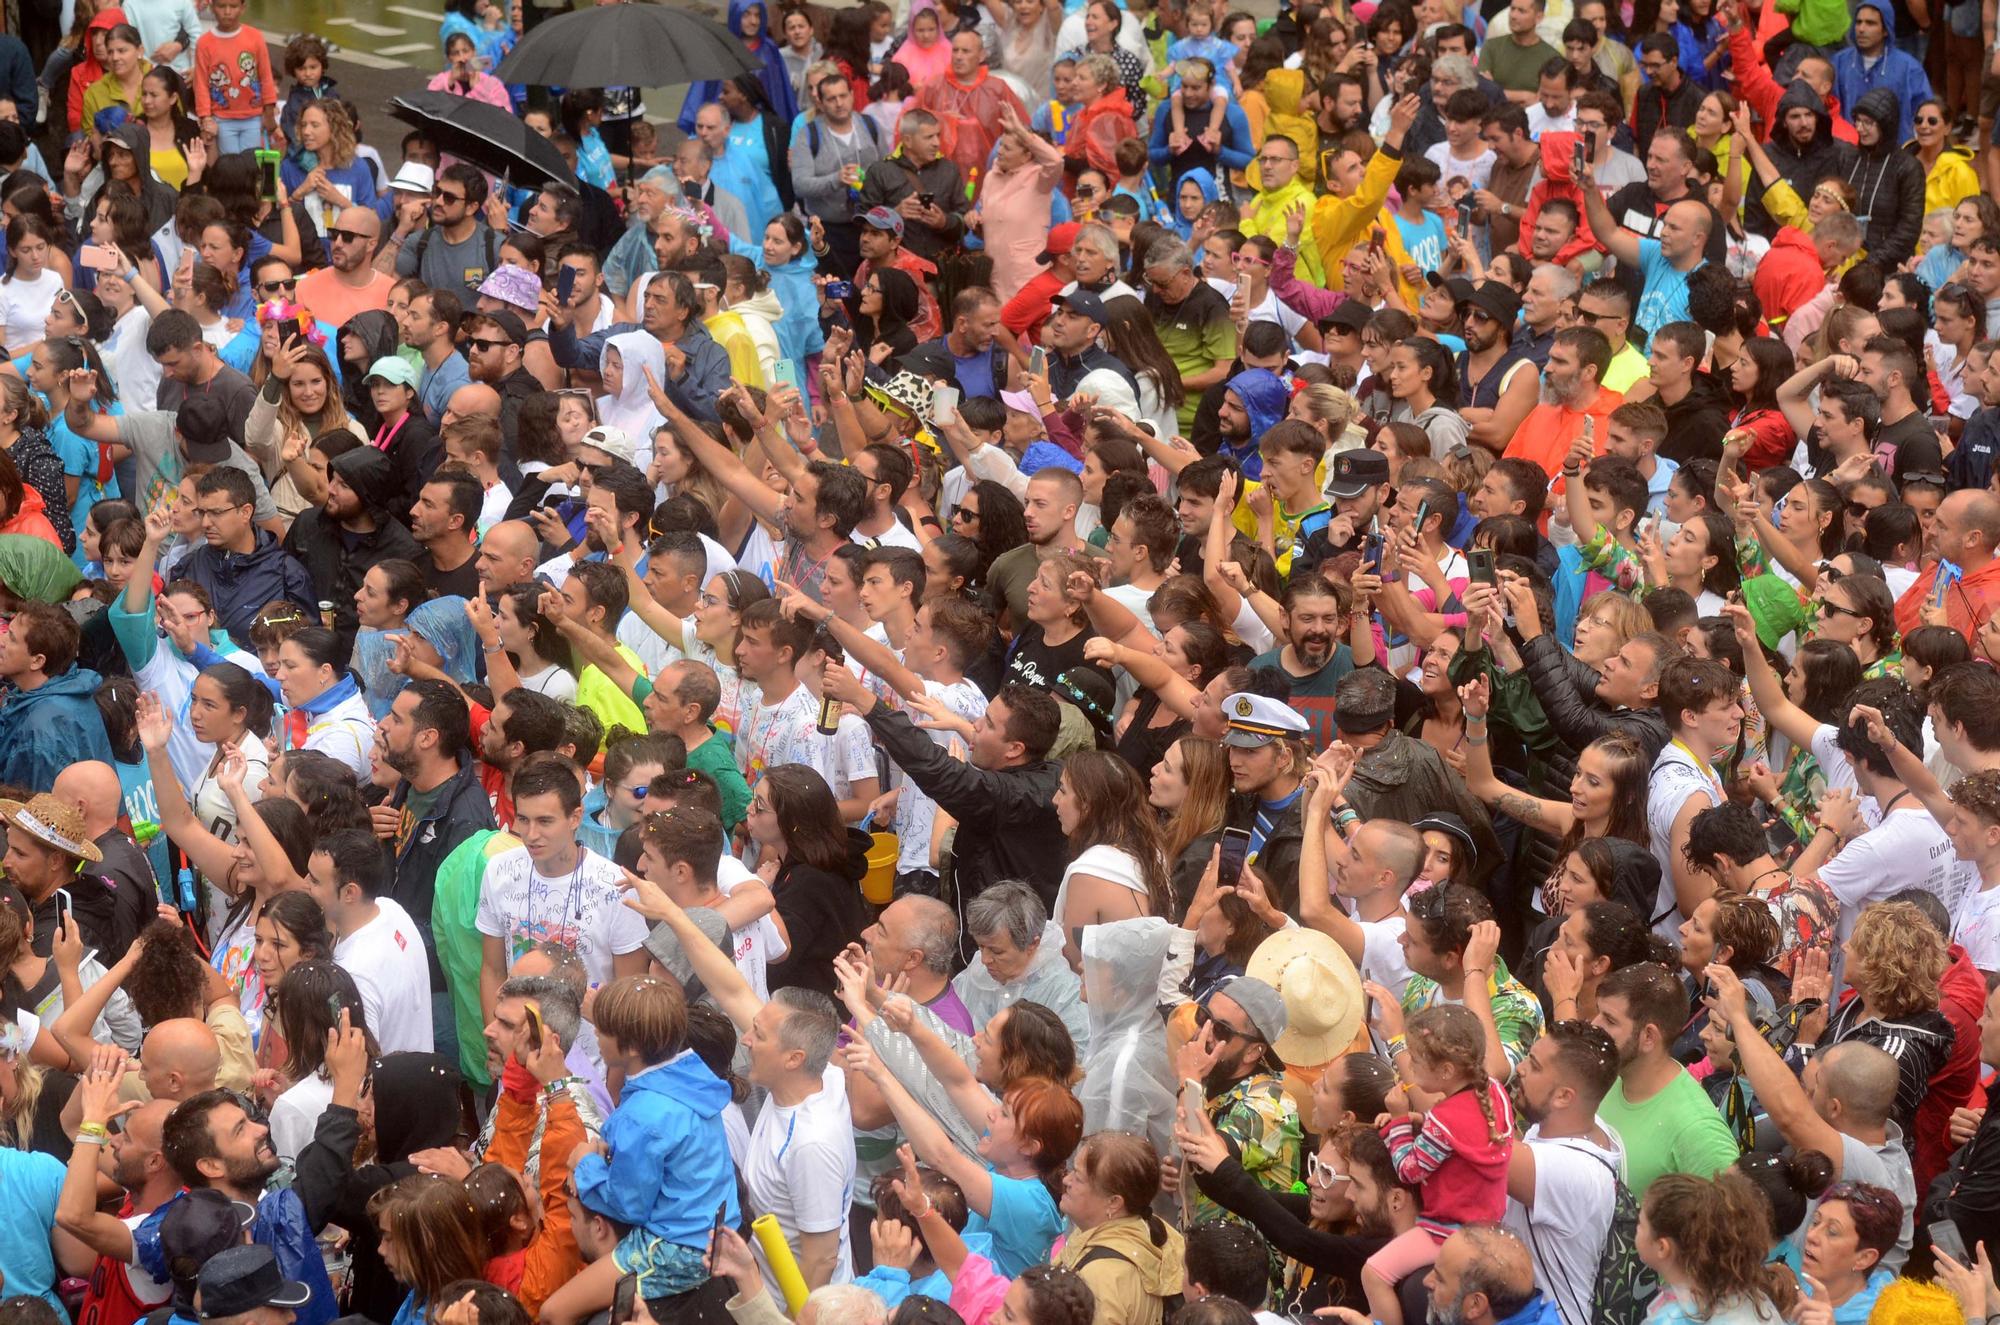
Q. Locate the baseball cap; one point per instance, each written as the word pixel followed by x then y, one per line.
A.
pixel 1460 289
pixel 390 368
pixel 1257 720
pixel 1085 303
pixel 203 424
pixel 1355 471
pixel 1060 241
pixel 1352 315
pixel 197 1226
pixel 1260 1003
pixel 614 442
pixel 883 219
pixel 509 324
pixel 238 1281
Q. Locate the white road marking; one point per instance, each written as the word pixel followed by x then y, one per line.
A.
pixel 372 29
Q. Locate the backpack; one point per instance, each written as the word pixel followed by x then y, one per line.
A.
pixel 492 247
pixel 1625 1285
pixel 1170 1306
pixel 812 132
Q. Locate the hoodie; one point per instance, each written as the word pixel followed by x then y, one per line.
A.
pixel 1894 70
pixel 1890 182
pixel 240 584
pixel 155 197
pixel 1557 181
pixel 1130 1276
pixel 1202 178
pixel 336 559
pixel 760 316
pixel 1789 274
pixel 794 298
pixel 1696 422
pixel 631 410
pixel 88 70
pixel 1755 85
pixel 45 730
pixel 1801 167
pixel 376 330
pixel 665 1167
pixel 766 53
pixel 1952 1086
pixel 1951 179
pixel 1265 400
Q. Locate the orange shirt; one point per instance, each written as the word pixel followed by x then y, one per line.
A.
pixel 1967 604
pixel 1545 435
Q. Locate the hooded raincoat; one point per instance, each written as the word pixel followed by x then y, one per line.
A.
pixel 1128 1081
pixel 1890 69
pixel 1951 179
pixel 1802 167
pixel 632 408
pixel 666 1166
pixel 88 69
pixel 1202 178
pixel 765 48
pixel 795 300
pixel 1890 182
pixel 1265 400
pixel 45 730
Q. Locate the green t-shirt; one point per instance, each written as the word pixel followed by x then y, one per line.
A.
pixel 717 758
pixel 1515 67
pixel 1197 334
pixel 1676 1131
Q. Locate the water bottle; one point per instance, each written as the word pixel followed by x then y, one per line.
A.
pixel 184 883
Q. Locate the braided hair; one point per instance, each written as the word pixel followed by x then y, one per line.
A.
pixel 1450 1036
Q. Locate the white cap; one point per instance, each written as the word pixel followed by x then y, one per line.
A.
pixel 612 441
pixel 414 177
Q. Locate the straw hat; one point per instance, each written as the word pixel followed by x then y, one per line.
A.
pixel 1321 990
pixel 49 820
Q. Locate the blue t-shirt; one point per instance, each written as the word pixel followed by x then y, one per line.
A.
pixel 1023 1225
pixel 79 461
pixel 974 372
pixel 142 805
pixel 1424 239
pixel 1663 297
pixel 32 1182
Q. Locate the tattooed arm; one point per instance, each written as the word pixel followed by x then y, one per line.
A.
pixel 1553 817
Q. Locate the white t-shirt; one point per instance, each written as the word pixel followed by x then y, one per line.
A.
pixel 801 1168
pixel 554 681
pixel 1475 172
pixel 788 733
pixel 25 305
pixel 295 1114
pixel 758 944
pixel 1977 928
pixel 1382 958
pixel 1907 849
pixel 1677 778
pixel 1114 864
pixel 1575 1197
pixel 386 959
pixel 581 908
pixel 894 536
pixel 916 813
pixel 1134 600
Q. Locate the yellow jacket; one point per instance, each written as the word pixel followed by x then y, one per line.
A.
pixel 106 92
pixel 1266 216
pixel 1340 223
pixel 1782 201
pixel 1951 180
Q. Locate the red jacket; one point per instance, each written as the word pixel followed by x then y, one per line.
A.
pixel 1789 274
pixel 1952 1087
pixel 1755 85
pixel 1557 182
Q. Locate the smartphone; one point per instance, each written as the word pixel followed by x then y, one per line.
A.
pixel 624 1298
pixel 721 1222
pixel 840 289
pixel 1194 1103
pixel 1235 850
pixel 267 172
pixel 1464 217
pixel 944 404
pixel 792 375
pixel 565 284
pixel 927 199
pixel 64 906
pixel 334 1007
pixel 1423 514
pixel 1579 161
pixel 1371 554
pixel 97 258
pixel 1947 1239
pixel 289 334
pixel 1479 565
pixel 1038 361
pixel 1378 238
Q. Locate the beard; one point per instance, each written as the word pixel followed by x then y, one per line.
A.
pixel 251 1174
pixel 1518 1096
pixel 1438 1313
pixel 1314 646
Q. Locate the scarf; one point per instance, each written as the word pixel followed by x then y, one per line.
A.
pixel 299 721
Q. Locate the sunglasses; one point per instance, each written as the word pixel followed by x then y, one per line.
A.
pixel 1825 608
pixel 288 285
pixel 443 196
pixel 1224 1032
pixel 478 344
pixel 347 236
pixel 961 512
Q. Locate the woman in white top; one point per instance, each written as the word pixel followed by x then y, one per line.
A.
pixel 325 707
pixel 523 647
pixel 1120 870
pixel 31 284
pixel 302 1010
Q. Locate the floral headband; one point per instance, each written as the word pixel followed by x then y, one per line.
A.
pixel 279 310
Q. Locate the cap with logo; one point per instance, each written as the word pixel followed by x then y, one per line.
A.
pixel 881 218
pixel 1258 720
pixel 1355 471
pixel 1086 303
pixel 614 442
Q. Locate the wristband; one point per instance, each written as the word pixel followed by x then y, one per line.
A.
pixel 1397 1045
pixel 95 1131
pixel 84 1138
pixel 557 1088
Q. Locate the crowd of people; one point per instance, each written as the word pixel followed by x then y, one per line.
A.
pixel 1051 665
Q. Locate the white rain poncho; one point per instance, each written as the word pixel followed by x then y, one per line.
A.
pixel 1128 1082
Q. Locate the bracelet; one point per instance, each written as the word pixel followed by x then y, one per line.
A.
pixel 96 1131
pixel 1475 740
pixel 1397 1045
pixel 556 1088
pixel 490 649
pixel 1479 718
pixel 84 1138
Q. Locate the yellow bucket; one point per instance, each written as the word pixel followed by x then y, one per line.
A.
pixel 878 885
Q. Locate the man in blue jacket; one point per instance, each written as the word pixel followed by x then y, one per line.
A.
pixel 241 566
pixel 1871 60
pixel 48 709
pixel 1184 152
pixel 697 367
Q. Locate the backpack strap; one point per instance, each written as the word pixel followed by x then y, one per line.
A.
pixel 492 250
pixel 1096 1254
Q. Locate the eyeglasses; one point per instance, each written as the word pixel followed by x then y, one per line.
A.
pixel 1927 478
pixel 1248 260
pixel 289 284
pixel 1322 1174
pixel 1928 119
pixel 1268 160
pixel 349 236
pixel 213 512
pixel 1590 319
pixel 637 793
pixel 1830 572
pixel 760 807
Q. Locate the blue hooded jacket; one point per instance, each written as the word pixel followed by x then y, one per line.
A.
pixel 777 80
pixel 44 731
pixel 1204 179
pixel 1537 1310
pixel 799 334
pixel 1265 400
pixel 667 1164
pixel 1896 70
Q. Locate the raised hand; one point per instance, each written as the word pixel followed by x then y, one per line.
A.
pixel 154 726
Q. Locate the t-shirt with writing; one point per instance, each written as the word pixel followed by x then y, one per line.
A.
pixel 386 958
pixel 1033 661
pixel 755 946
pixel 800 1169
pixel 1909 446
pixel 580 908
pixel 1977 928
pixel 1676 1131
pixel 916 813
pixel 1908 849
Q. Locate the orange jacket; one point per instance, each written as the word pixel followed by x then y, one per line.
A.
pixel 552 1259
pixel 1967 604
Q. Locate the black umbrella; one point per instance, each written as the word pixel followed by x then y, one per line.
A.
pixel 484 135
pixel 630 45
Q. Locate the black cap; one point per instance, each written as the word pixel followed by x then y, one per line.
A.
pixel 928 359
pixel 203 423
pixel 240 1280
pixel 1352 315
pixel 1497 301
pixel 1356 470
pixel 1460 289
pixel 1091 692
pixel 199 1226
pixel 1085 303
pixel 510 325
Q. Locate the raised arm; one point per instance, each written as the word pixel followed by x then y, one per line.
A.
pixel 874 656
pixel 1778 1091
pixel 1766 687
pixel 1149 670
pixel 712 966
pixel 927 1137
pixel 1552 817
pixel 1325 782
pixel 1619 242
pixel 77 1212
pixel 716 458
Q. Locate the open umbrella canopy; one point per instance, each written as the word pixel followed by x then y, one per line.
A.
pixel 631 45
pixel 484 135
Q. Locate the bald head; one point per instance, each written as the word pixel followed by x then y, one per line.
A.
pixel 473 398
pixel 1396 847
pixel 93 787
pixel 360 221
pixel 508 554
pixel 1861 1079
pixel 180 1059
